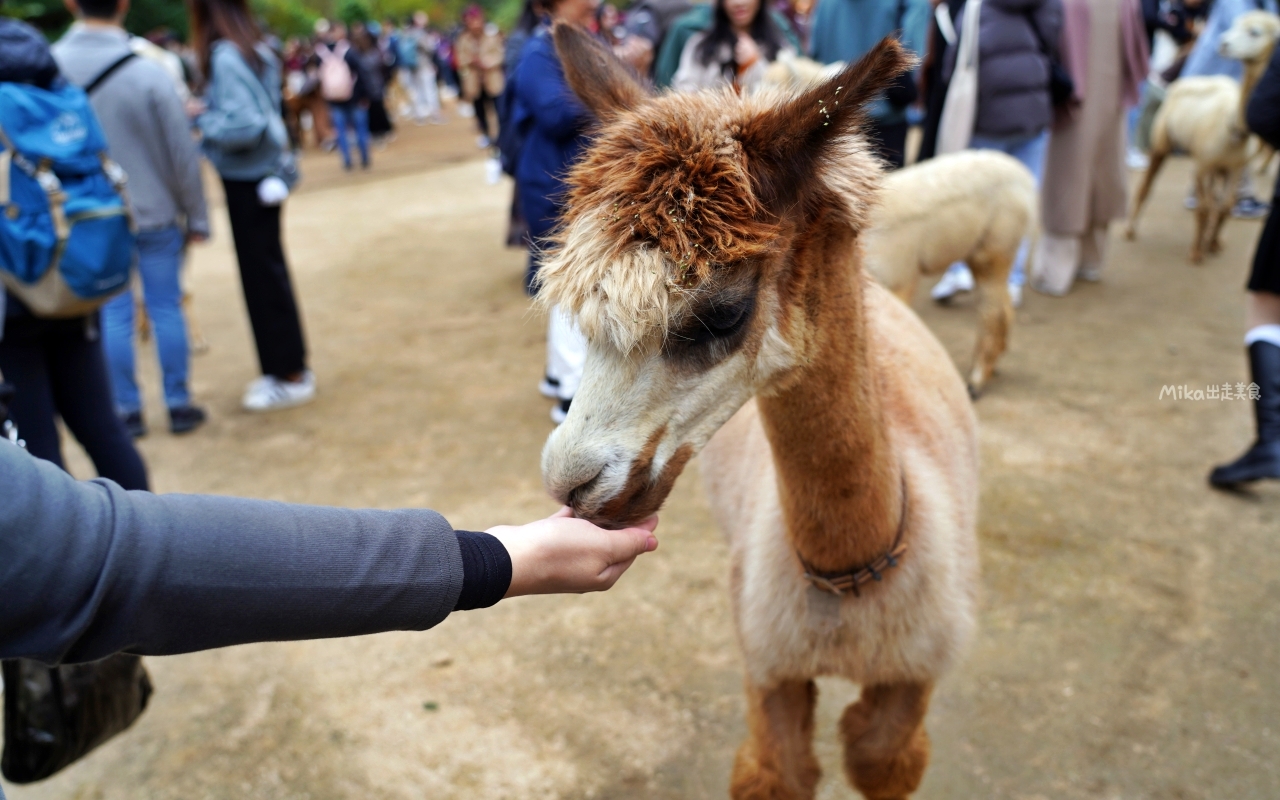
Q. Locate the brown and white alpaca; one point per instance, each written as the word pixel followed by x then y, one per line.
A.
pixel 711 253
pixel 1205 116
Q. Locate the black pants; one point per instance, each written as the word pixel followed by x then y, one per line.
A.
pixel 58 369
pixel 890 140
pixel 264 275
pixel 482 104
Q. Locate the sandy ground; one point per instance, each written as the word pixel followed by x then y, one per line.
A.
pixel 1128 645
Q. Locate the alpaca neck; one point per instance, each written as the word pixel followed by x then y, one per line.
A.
pixel 839 483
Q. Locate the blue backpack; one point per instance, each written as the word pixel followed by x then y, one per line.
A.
pixel 67 242
pixel 407 50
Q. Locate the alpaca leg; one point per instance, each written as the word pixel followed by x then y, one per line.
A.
pixel 995 310
pixel 1205 201
pixel 1230 191
pixel 886 748
pixel 777 762
pixel 1153 167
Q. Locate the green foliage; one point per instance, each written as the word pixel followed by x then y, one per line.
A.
pixel 148 15
pixel 351 11
pixel 287 17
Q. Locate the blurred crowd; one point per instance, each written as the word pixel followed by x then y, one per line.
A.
pixel 1067 87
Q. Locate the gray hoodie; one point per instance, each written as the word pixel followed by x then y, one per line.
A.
pixel 146 127
pixel 88 569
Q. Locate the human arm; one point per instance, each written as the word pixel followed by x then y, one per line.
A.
pixel 1263 112
pixel 183 173
pixel 233 119
pixel 87 569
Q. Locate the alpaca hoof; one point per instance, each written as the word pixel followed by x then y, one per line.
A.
pixel 1130 233
pixel 975 391
pixel 1215 247
pixel 1197 257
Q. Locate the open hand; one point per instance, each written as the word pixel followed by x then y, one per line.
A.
pixel 564 554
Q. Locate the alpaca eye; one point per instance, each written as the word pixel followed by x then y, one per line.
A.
pixel 711 332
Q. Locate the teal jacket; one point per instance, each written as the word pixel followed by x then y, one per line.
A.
pixel 844 30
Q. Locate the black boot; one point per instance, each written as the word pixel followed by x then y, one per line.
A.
pixel 1263 459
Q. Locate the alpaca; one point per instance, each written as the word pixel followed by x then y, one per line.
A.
pixel 1204 116
pixel 974 206
pixel 711 254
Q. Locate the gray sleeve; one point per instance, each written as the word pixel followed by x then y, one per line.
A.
pixel 88 569
pixel 234 121
pixel 180 148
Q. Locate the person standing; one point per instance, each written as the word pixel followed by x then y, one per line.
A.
pixel 554 123
pixel 479 51
pixel 415 59
pixel 1017 41
pixel 1262 460
pixel 374 63
pixel 845 30
pixel 245 139
pixel 57 366
pixel 740 45
pixel 346 88
pixel 1105 50
pixel 150 138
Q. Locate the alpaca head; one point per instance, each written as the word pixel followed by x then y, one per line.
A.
pixel 1251 38
pixel 693 230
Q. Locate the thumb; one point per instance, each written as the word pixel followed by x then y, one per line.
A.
pixel 628 543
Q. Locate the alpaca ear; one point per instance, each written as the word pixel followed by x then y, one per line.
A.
pixel 602 82
pixel 786 143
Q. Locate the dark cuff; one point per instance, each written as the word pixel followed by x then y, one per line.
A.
pixel 486 570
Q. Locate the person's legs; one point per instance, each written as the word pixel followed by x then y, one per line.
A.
pixel 360 116
pixel 24 364
pixel 117 340
pixel 1031 153
pixel 341 121
pixel 482 115
pixel 82 395
pixel 409 79
pixel 160 255
pixel 268 291
pixel 426 77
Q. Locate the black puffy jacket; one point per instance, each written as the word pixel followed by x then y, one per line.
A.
pixel 1015 37
pixel 24 55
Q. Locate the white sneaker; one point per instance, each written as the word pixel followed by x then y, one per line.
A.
pixel 953 282
pixel 1015 295
pixel 482 141
pixel 269 393
pixel 1090 272
pixel 560 411
pixel 1136 160
pixel 549 388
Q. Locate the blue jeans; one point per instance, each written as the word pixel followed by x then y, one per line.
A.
pixel 1030 151
pixel 351 115
pixel 160 254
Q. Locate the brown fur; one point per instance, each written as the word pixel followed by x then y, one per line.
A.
pixel 681 203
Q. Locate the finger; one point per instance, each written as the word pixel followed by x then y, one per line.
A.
pixel 646 524
pixel 611 573
pixel 627 544
pixel 564 511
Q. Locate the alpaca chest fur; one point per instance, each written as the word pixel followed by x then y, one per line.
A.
pixel 910 627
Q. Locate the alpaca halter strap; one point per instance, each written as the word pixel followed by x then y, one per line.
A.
pixel 846 581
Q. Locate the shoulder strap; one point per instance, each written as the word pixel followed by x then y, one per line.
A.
pixel 94 84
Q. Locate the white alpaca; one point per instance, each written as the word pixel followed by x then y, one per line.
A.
pixel 1205 116
pixel 974 206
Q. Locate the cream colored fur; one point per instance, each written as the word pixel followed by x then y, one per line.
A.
pixel 975 206
pixel 1204 117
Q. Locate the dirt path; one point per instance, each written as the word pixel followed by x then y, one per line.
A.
pixel 1128 645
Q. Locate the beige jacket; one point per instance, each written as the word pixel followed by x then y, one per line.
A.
pixel 489 51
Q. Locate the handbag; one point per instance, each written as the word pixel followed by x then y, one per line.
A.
pixel 960 108
pixel 54 716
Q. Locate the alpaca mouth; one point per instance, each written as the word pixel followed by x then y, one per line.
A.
pixel 639 498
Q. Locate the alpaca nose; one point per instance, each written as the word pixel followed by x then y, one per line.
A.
pixel 579 493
